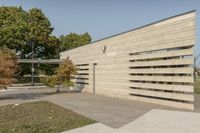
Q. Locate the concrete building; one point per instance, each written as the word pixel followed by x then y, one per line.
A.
pixel 152 63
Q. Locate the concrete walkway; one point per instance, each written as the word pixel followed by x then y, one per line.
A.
pixel 112 112
pixel 93 128
pixel 164 121
pixel 155 121
pixel 14 95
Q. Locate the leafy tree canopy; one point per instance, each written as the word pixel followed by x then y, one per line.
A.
pixel 74 40
pixel 20 30
pixel 23 30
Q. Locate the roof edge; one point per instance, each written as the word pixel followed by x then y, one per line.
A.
pixel 191 11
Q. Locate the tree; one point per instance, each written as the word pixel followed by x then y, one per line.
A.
pixel 12 27
pixel 23 30
pixel 63 76
pixel 74 40
pixel 8 67
pixel 26 30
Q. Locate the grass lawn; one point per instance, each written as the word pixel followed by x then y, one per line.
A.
pixel 39 117
pixel 197 86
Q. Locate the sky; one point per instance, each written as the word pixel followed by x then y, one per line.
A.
pixel 103 18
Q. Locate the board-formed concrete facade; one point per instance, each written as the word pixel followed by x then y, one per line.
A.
pixel 153 63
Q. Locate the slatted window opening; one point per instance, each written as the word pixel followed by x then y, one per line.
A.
pixel 163 76
pixel 82 77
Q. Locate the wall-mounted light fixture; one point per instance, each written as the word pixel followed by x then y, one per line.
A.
pixel 104 48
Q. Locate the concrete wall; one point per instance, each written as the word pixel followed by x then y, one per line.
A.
pixel 153 63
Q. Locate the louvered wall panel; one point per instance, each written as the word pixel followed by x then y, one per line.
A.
pixel 153 63
pixel 82 77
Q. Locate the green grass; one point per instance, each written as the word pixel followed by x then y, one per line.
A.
pixel 197 86
pixel 39 117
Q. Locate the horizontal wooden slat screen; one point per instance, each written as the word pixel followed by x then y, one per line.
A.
pixel 170 62
pixel 165 73
pixel 180 70
pixel 163 94
pixel 82 77
pixel 153 63
pixel 171 103
pixel 149 80
pixel 179 79
pixel 164 54
pixel 166 87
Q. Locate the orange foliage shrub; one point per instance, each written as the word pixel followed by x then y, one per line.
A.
pixel 8 67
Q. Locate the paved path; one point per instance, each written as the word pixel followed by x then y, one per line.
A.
pixel 164 121
pixel 109 111
pixel 155 121
pixel 14 95
pixel 93 128
pixel 112 112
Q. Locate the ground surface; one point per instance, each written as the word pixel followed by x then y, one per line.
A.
pixel 112 112
pixel 39 117
pixel 155 121
pixel 13 96
pixel 164 121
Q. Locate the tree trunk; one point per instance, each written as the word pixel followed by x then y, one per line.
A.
pixel 5 87
pixel 58 89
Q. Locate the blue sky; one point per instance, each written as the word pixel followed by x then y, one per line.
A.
pixel 102 18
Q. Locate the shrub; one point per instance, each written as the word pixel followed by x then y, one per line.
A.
pixel 8 67
pixel 64 74
pixel 50 81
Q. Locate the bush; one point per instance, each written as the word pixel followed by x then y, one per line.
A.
pixel 50 81
pixel 64 74
pixel 8 66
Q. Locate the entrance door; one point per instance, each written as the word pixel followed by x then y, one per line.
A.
pixel 94 79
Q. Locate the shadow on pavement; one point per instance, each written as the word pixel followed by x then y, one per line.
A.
pixel 31 94
pixel 23 96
